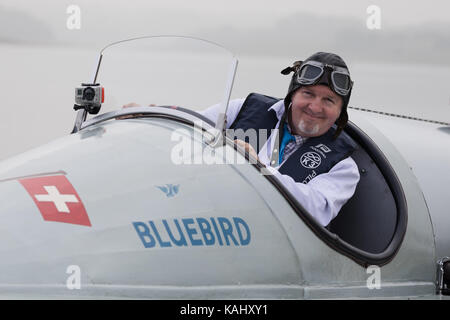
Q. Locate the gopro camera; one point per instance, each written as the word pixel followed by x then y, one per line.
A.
pixel 89 97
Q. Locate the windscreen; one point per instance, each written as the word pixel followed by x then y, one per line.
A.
pixel 165 70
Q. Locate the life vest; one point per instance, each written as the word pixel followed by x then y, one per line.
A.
pixel 317 155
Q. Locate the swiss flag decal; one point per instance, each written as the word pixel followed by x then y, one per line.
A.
pixel 56 199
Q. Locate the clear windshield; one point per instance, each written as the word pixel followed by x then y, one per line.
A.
pixel 165 70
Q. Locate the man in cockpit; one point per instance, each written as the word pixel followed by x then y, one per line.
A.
pixel 309 153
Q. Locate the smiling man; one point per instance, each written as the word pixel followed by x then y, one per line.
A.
pixel 308 153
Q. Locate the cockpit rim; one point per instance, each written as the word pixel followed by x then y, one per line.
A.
pixel 361 257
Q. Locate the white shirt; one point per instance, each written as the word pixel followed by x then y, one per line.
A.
pixel 325 194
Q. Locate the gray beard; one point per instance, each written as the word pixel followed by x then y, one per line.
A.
pixel 310 131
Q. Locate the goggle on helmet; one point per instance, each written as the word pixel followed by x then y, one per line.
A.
pixel 313 72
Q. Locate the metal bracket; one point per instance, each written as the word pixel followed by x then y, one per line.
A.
pixel 441 287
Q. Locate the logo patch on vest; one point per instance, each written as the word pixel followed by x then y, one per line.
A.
pixel 310 160
pixel 323 147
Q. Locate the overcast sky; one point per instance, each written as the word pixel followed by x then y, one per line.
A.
pixel 242 13
pixel 411 31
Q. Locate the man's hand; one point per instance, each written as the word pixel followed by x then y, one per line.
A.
pixel 247 148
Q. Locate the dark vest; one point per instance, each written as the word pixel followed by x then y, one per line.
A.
pixel 317 155
pixel 254 114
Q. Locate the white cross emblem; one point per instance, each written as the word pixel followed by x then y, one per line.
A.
pixel 58 199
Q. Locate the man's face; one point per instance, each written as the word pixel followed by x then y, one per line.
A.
pixel 314 110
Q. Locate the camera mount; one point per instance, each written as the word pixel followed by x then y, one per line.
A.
pixel 89 97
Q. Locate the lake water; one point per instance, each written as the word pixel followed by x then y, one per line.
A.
pixel 37 88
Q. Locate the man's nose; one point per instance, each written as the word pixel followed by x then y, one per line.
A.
pixel 316 105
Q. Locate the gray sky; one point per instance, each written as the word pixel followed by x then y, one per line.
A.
pixel 411 31
pixel 242 13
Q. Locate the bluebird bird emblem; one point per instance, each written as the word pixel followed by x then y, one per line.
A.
pixel 169 189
